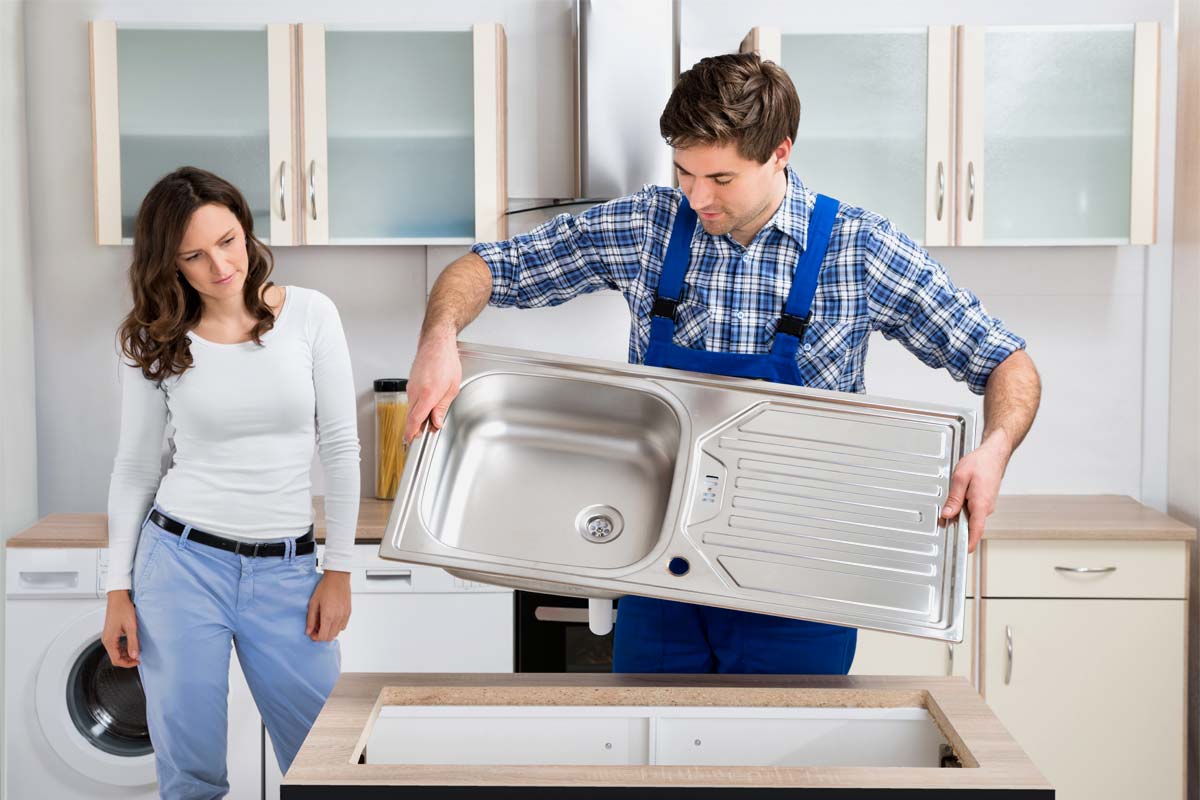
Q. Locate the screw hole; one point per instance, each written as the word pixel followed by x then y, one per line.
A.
pixel 678 566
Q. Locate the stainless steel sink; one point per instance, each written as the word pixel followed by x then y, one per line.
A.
pixel 599 479
pixel 576 473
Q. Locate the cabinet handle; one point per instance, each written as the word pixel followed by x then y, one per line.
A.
pixel 949 659
pixel 970 190
pixel 312 188
pixel 282 195
pixel 49 580
pixel 389 575
pixel 1086 570
pixel 1008 645
pixel 941 178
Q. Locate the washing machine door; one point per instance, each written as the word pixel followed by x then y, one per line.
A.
pixel 94 714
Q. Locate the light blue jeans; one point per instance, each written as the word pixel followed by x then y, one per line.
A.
pixel 193 603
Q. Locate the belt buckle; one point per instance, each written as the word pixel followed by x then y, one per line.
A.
pixel 254 553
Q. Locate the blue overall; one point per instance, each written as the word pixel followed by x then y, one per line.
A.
pixel 664 636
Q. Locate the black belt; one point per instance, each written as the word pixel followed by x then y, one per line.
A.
pixel 304 544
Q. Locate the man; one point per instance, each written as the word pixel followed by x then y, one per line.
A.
pixel 775 283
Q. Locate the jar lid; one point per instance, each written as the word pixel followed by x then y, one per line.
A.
pixel 391 384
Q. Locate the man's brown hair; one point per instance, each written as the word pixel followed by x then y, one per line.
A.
pixel 735 98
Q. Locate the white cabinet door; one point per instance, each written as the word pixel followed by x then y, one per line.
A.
pixel 404 135
pixel 234 118
pixel 1057 134
pixel 880 653
pixel 1093 690
pixel 876 131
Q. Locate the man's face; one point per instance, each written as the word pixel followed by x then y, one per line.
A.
pixel 729 193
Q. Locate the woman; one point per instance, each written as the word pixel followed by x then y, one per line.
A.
pixel 246 373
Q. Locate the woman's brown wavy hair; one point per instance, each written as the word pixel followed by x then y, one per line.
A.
pixel 153 334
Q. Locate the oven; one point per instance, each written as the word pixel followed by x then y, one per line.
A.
pixel 552 635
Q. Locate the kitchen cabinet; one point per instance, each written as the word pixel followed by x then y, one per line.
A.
pixel 881 653
pixel 335 136
pixel 1032 135
pixel 610 736
pixel 1084 662
pixel 876 130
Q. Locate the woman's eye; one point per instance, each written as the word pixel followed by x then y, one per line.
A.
pixel 192 257
pixel 228 241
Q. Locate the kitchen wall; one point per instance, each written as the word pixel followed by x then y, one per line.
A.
pixel 18 448
pixel 1097 318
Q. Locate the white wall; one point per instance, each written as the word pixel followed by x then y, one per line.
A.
pixel 18 449
pixel 1095 317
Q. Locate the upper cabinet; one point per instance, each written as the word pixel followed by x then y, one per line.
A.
pixel 876 131
pixel 1052 140
pixel 1058 130
pixel 335 136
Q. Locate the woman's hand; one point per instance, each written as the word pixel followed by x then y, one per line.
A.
pixel 120 622
pixel 329 607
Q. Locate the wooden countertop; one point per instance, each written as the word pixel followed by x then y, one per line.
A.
pixel 1111 517
pixel 91 530
pixel 329 757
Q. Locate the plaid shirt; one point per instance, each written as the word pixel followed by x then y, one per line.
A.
pixel 873 278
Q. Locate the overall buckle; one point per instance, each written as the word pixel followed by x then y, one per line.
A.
pixel 793 325
pixel 664 307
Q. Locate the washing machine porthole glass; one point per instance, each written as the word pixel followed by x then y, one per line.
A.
pixel 107 704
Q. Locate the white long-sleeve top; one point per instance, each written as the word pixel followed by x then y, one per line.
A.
pixel 245 420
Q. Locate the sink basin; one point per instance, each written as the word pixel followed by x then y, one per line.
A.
pixel 590 478
pixel 564 472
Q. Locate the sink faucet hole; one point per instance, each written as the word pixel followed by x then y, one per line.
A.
pixel 678 566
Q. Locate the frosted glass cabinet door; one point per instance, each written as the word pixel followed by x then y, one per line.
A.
pixel 875 120
pixel 165 98
pixel 1050 136
pixel 392 134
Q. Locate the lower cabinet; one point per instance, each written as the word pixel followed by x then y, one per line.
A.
pixel 1093 690
pixel 881 653
pixel 1084 661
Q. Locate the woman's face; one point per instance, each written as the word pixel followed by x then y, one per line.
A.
pixel 212 255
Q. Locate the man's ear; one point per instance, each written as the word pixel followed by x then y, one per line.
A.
pixel 783 153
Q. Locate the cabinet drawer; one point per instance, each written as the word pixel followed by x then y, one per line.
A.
pixel 1085 569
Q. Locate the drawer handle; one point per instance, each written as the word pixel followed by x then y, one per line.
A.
pixel 389 575
pixel 1087 570
pixel 50 580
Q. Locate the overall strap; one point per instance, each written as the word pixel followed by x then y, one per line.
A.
pixel 675 264
pixel 797 311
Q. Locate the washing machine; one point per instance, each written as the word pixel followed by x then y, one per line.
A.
pixel 75 724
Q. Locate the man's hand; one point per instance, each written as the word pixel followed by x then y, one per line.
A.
pixel 433 382
pixel 329 607
pixel 976 483
pixel 457 297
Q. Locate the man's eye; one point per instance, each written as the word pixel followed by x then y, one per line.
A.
pixel 725 182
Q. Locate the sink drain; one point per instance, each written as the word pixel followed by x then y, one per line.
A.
pixel 599 524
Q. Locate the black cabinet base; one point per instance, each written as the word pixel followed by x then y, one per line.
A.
pixel 651 793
